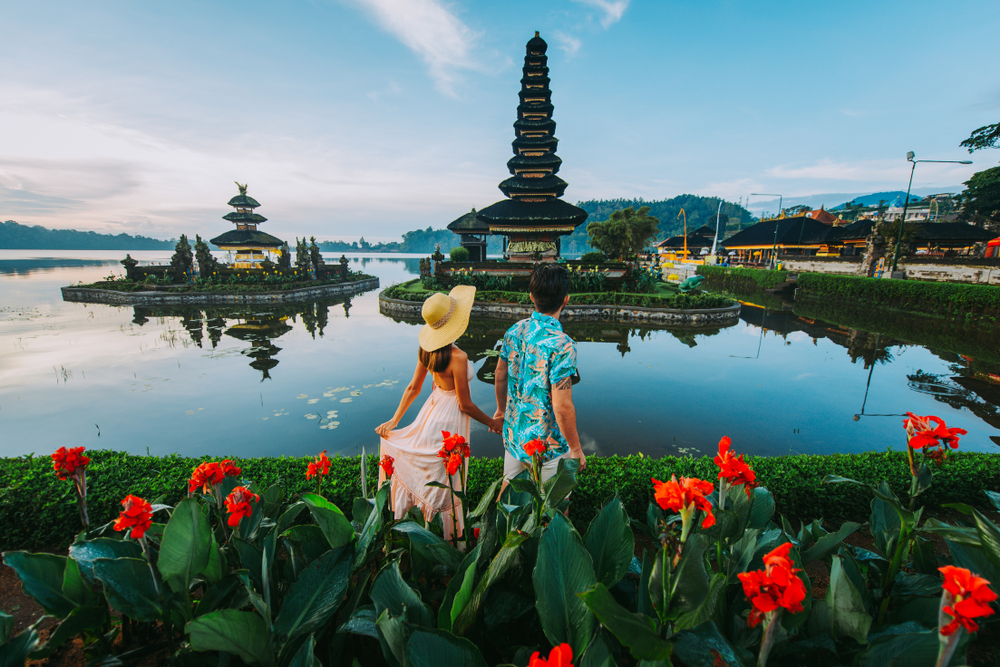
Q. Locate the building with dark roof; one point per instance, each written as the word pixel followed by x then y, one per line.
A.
pixel 697 240
pixel 247 246
pixel 533 216
pixel 473 234
pixel 797 235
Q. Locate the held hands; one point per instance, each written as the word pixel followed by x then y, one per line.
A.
pixel 385 429
pixel 496 425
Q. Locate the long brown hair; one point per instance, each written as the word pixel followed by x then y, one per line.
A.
pixel 436 361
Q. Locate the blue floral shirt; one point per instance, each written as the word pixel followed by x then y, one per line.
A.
pixel 538 356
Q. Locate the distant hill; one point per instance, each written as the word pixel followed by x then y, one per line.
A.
pixel 15 236
pixel 873 199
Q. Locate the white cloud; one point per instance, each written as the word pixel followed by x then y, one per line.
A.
pixel 613 9
pixel 875 172
pixel 431 31
pixel 567 43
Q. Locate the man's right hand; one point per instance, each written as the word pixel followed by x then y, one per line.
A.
pixel 581 457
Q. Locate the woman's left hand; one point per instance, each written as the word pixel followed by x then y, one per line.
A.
pixel 385 429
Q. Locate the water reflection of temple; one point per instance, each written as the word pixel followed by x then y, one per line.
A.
pixel 256 325
pixel 971 383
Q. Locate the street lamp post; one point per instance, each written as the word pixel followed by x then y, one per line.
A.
pixel 906 202
pixel 774 247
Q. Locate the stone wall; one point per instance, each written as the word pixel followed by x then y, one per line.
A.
pixel 956 270
pixel 714 317
pixel 87 295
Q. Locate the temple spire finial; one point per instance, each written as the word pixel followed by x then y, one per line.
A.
pixel 243 188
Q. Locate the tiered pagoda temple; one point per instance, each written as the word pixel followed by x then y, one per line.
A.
pixel 248 248
pixel 533 216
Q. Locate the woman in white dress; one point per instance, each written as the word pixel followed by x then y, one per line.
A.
pixel 415 448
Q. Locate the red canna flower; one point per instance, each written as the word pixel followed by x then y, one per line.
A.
pixel 320 466
pixel 535 446
pixel 230 469
pixel 921 434
pixel 560 656
pixel 733 469
pixel 66 462
pixel 238 504
pixel 777 586
pixel 137 515
pixel 966 597
pixel 684 497
pixel 386 464
pixel 475 533
pixel 453 441
pixel 452 461
pixel 206 476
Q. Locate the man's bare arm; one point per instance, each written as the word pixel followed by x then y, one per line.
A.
pixel 562 405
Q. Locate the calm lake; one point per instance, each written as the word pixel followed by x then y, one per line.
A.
pixel 298 379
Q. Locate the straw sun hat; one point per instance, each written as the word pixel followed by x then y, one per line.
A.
pixel 447 316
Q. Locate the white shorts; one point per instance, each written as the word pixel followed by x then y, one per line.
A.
pixel 512 466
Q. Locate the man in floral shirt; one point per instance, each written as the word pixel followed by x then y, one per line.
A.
pixel 534 385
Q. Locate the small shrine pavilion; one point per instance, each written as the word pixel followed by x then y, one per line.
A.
pixel 473 234
pixel 248 248
pixel 533 216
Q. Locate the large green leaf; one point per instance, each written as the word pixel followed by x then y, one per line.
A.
pixel 241 632
pixel 829 543
pixel 506 558
pixel 129 587
pixel 392 635
pixel 459 590
pixel 80 620
pixel 560 485
pixel 372 526
pixel 845 605
pixel 186 546
pixel 390 592
pixel 966 535
pixel 226 593
pixel 488 498
pixel 315 596
pixel 704 646
pixel 6 626
pixel 361 622
pixel 251 559
pixel 430 545
pixel 433 648
pixel 307 543
pixel 562 570
pixel 14 652
pixel 41 577
pixel 600 653
pixel 306 655
pixel 913 650
pixel 706 610
pixel 761 508
pixel 690 582
pixel 86 552
pixel 335 526
pixel 610 543
pixel 636 631
pixel 975 560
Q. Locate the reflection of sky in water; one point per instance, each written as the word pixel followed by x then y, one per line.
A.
pixel 87 374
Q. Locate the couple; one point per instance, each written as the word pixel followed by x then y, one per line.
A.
pixel 533 390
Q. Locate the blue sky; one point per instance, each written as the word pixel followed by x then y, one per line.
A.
pixel 374 117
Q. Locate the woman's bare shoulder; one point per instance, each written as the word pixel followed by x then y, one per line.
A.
pixel 457 354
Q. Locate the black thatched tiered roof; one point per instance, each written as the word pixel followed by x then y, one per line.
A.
pixel 246 233
pixel 468 224
pixel 533 190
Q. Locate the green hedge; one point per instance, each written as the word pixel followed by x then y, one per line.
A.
pixel 740 280
pixel 39 511
pixel 407 292
pixel 943 300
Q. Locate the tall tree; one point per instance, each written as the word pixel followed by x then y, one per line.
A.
pixel 301 254
pixel 207 264
pixel 981 199
pixel 987 136
pixel 624 233
pixel 182 261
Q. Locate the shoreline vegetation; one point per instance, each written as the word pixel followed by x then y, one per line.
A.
pixel 665 296
pixel 38 510
pixel 242 282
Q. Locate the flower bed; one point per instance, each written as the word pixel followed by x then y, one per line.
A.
pixel 227 563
